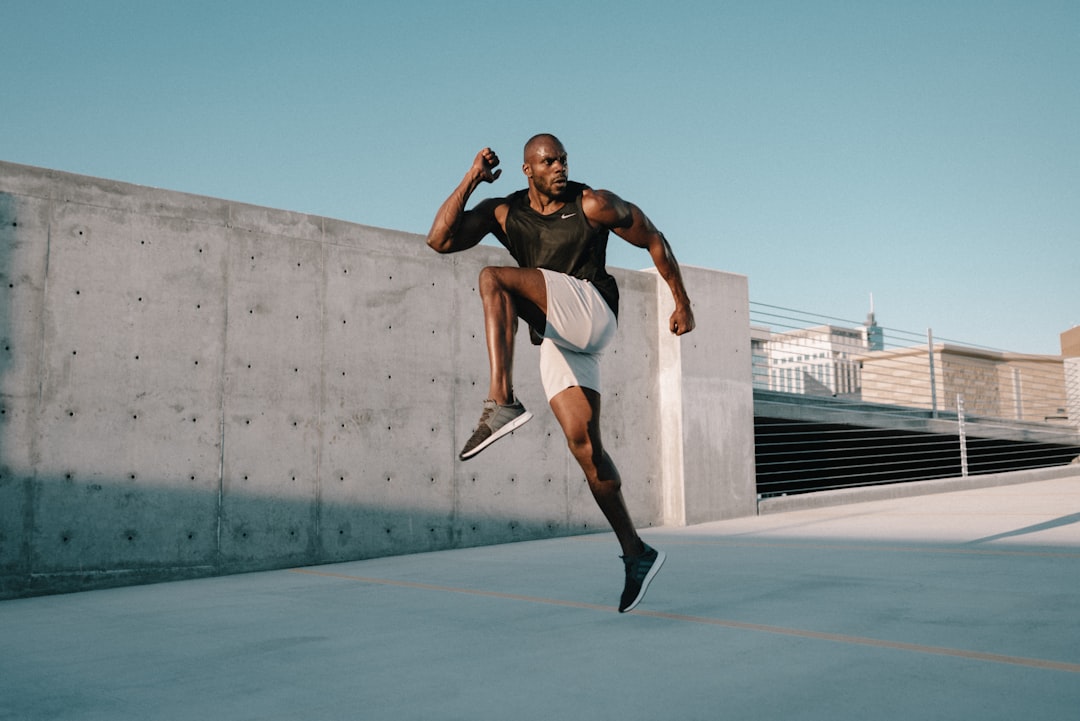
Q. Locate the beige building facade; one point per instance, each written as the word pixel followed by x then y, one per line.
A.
pixel 990 384
pixel 1070 349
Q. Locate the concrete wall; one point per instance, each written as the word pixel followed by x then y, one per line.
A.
pixel 190 386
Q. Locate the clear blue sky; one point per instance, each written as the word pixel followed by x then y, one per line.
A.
pixel 925 152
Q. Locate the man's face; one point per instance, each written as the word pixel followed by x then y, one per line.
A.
pixel 545 167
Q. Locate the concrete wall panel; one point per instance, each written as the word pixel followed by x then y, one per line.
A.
pixel 24 233
pixel 24 242
pixel 128 441
pixel 272 401
pixel 631 418
pixel 388 400
pixel 717 398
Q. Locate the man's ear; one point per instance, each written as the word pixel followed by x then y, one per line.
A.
pixel 526 169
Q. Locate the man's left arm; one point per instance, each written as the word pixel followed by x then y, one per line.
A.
pixel 632 225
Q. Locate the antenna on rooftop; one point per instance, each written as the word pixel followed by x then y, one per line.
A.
pixel 875 336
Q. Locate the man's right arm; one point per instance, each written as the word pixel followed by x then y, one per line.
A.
pixel 454 227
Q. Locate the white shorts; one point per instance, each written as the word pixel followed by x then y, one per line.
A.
pixel 580 324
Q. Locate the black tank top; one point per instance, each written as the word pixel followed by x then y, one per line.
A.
pixel 563 241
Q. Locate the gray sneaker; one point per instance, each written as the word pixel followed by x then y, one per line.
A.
pixel 495 422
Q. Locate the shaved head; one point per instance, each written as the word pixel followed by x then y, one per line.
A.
pixel 537 141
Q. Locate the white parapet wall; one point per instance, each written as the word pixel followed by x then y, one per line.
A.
pixel 192 386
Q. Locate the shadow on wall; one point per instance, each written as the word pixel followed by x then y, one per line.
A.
pixel 14 489
pixel 161 534
pixel 8 225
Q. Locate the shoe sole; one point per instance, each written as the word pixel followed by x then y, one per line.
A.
pixel 505 430
pixel 660 557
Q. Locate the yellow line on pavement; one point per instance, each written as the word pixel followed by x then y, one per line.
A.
pixel 842 546
pixel 873 642
pixel 451 589
pixel 1036 663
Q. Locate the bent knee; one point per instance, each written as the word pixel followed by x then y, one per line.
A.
pixel 584 448
pixel 578 443
pixel 491 280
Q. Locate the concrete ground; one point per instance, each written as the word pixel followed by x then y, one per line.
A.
pixel 954 606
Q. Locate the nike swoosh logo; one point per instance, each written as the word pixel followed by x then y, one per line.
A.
pixel 568 215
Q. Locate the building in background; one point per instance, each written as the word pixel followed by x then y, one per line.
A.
pixel 988 383
pixel 818 361
pixel 823 360
pixel 759 356
pixel 1070 351
pixel 852 363
pixel 875 334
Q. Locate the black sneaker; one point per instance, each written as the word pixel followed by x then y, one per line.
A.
pixel 639 574
pixel 495 422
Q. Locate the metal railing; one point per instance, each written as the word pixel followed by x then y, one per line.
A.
pixel 840 403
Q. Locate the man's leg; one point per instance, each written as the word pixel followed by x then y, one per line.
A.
pixel 578 412
pixel 508 293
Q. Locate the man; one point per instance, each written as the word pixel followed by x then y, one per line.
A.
pixel 557 231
